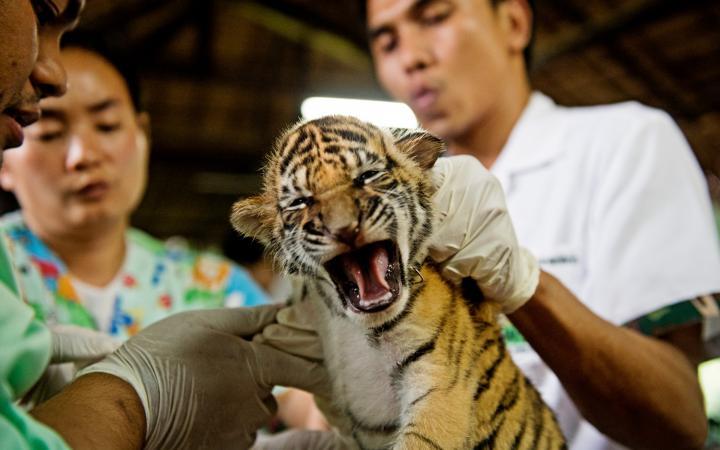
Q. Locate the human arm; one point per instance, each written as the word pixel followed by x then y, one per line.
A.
pixel 96 411
pixel 641 391
pixel 650 242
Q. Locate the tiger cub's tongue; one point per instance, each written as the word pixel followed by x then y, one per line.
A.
pixel 371 281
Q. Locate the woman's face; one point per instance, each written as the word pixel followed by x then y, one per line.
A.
pixel 84 164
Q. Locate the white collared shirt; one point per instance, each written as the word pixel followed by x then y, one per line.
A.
pixel 613 203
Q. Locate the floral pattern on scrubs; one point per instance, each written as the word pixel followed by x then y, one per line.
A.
pixel 157 279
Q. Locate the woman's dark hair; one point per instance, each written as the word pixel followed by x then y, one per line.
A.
pixel 117 57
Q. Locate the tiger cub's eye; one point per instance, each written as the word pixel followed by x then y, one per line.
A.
pixel 299 203
pixel 368 177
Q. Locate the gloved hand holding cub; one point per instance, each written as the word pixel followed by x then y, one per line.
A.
pixel 202 383
pixel 474 236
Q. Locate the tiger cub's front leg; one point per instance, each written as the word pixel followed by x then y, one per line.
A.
pixel 437 392
pixel 436 417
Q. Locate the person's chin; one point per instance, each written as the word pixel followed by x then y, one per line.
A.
pixel 88 216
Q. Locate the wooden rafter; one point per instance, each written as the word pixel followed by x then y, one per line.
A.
pixel 632 13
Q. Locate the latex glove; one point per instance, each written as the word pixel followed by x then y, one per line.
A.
pixel 79 345
pixel 294 332
pixel 474 234
pixel 73 348
pixel 202 384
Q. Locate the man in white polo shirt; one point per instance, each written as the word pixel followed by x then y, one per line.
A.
pixel 609 198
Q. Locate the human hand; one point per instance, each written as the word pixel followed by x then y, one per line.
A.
pixel 79 345
pixel 201 384
pixel 73 348
pixel 294 332
pixel 474 235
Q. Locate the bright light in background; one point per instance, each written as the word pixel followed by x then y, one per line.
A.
pixel 382 114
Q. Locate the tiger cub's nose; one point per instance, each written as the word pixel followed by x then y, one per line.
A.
pixel 348 235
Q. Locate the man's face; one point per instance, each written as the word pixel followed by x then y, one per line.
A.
pixel 445 58
pixel 30 31
pixel 84 163
pixel 18 52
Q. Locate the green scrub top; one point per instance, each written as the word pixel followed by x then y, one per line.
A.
pixel 24 354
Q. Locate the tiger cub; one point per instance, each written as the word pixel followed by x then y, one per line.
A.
pixel 416 362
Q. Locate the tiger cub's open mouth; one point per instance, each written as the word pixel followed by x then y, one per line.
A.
pixel 369 277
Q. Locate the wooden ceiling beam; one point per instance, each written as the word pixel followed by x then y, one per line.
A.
pixel 301 26
pixel 631 14
pixel 324 15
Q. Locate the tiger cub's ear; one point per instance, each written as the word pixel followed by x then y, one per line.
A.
pixel 420 145
pixel 252 217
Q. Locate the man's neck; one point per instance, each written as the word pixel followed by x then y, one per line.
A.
pixel 92 257
pixel 486 139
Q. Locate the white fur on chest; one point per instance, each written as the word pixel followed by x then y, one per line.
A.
pixel 361 374
pixel 363 389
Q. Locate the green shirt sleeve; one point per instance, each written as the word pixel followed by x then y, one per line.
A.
pixel 24 354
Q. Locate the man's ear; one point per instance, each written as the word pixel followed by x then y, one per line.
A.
pixel 419 145
pixel 252 217
pixel 517 21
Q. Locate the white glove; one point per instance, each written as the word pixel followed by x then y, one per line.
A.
pixel 73 348
pixel 79 345
pixel 201 384
pixel 294 332
pixel 474 236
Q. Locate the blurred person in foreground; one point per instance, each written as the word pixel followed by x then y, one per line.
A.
pixel 134 398
pixel 609 198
